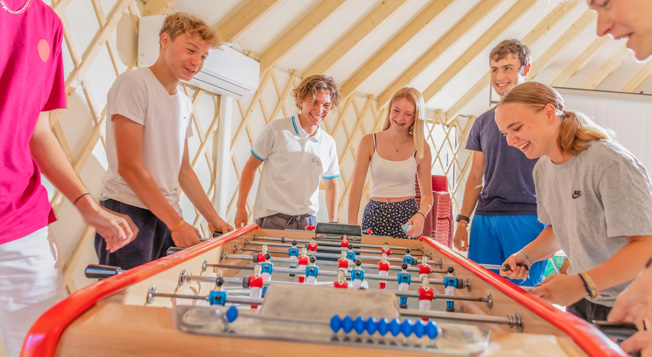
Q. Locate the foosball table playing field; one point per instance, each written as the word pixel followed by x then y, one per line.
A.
pixel 327 290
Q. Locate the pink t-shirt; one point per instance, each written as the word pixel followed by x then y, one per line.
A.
pixel 32 81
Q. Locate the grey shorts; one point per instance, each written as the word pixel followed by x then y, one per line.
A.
pixel 284 221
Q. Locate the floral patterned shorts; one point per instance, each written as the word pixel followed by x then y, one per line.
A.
pixel 386 218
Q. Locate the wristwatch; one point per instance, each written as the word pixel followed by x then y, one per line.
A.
pixel 461 217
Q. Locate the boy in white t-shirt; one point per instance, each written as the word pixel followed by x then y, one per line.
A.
pixel 295 153
pixel 147 147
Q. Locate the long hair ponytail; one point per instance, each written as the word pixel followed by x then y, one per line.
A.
pixel 576 129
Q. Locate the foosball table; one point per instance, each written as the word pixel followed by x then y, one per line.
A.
pixel 327 290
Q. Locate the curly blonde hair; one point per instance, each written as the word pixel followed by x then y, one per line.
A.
pixel 194 26
pixel 311 85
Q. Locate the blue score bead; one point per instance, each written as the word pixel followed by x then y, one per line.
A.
pixel 347 324
pixel 406 327
pixel 383 326
pixel 431 329
pixel 358 325
pixel 419 328
pixel 336 323
pixel 395 327
pixel 231 314
pixel 372 325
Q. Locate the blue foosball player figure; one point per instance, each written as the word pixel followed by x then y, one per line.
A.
pixel 293 253
pixel 266 269
pixel 312 271
pixel 408 259
pixel 450 284
pixel 404 280
pixel 218 296
pixel 350 254
pixel 357 275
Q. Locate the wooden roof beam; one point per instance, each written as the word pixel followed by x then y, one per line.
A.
pixel 506 20
pixel 579 62
pixel 639 78
pixel 158 7
pixel 608 68
pixel 573 31
pixel 234 24
pixel 398 41
pixel 296 33
pixel 469 20
pixel 532 37
pixel 359 32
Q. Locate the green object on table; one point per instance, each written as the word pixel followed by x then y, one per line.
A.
pixel 558 261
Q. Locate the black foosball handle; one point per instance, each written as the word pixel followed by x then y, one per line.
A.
pixel 97 271
pixel 351 230
pixel 618 330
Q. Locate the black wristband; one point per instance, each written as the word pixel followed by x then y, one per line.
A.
pixel 462 217
pixel 649 262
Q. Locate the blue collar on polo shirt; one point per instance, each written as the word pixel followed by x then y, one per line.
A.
pixel 303 133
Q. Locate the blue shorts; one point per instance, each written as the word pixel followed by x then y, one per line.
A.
pixel 494 238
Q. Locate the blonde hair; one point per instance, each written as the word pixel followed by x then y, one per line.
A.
pixel 184 23
pixel 311 85
pixel 417 128
pixel 576 128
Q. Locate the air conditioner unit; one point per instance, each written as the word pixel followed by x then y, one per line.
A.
pixel 226 71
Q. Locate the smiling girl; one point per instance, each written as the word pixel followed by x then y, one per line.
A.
pixel 594 195
pixel 394 156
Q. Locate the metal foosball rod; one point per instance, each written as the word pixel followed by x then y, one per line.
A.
pixel 515 321
pixel 335 242
pixel 185 277
pixel 464 283
pixel 152 294
pixel 322 248
pixel 331 256
pixel 488 299
pixel 247 257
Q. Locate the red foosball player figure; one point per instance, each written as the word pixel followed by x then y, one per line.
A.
pixel 385 249
pixel 303 260
pixel 426 294
pixel 312 246
pixel 310 227
pixel 256 284
pixel 341 283
pixel 383 269
pixel 344 243
pixel 260 257
pixel 343 263
pixel 424 268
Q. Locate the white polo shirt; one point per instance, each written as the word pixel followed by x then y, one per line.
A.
pixel 293 162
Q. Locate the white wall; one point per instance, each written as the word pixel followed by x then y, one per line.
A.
pixel 629 116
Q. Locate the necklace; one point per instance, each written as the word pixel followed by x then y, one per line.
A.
pixel 22 9
pixel 399 146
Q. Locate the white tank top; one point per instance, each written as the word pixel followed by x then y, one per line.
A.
pixel 392 178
